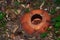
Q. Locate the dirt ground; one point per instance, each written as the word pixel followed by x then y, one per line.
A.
pixel 10 26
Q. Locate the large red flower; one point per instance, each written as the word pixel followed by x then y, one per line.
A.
pixel 35 21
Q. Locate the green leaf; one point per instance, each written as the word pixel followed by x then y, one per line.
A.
pixel 16 11
pixel 56 29
pixel 57 18
pixel 17 3
pixel 53 11
pixel 57 25
pixel 57 2
pixel 43 35
pixel 2 23
pixel 27 10
pixel 2 15
pixel 48 29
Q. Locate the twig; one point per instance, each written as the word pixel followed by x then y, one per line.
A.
pixel 42 4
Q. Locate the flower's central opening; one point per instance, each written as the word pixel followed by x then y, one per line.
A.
pixel 36 19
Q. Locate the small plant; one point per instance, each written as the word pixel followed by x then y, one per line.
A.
pixel 53 11
pixel 43 35
pixel 2 23
pixel 56 22
pixel 2 15
pixel 27 10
